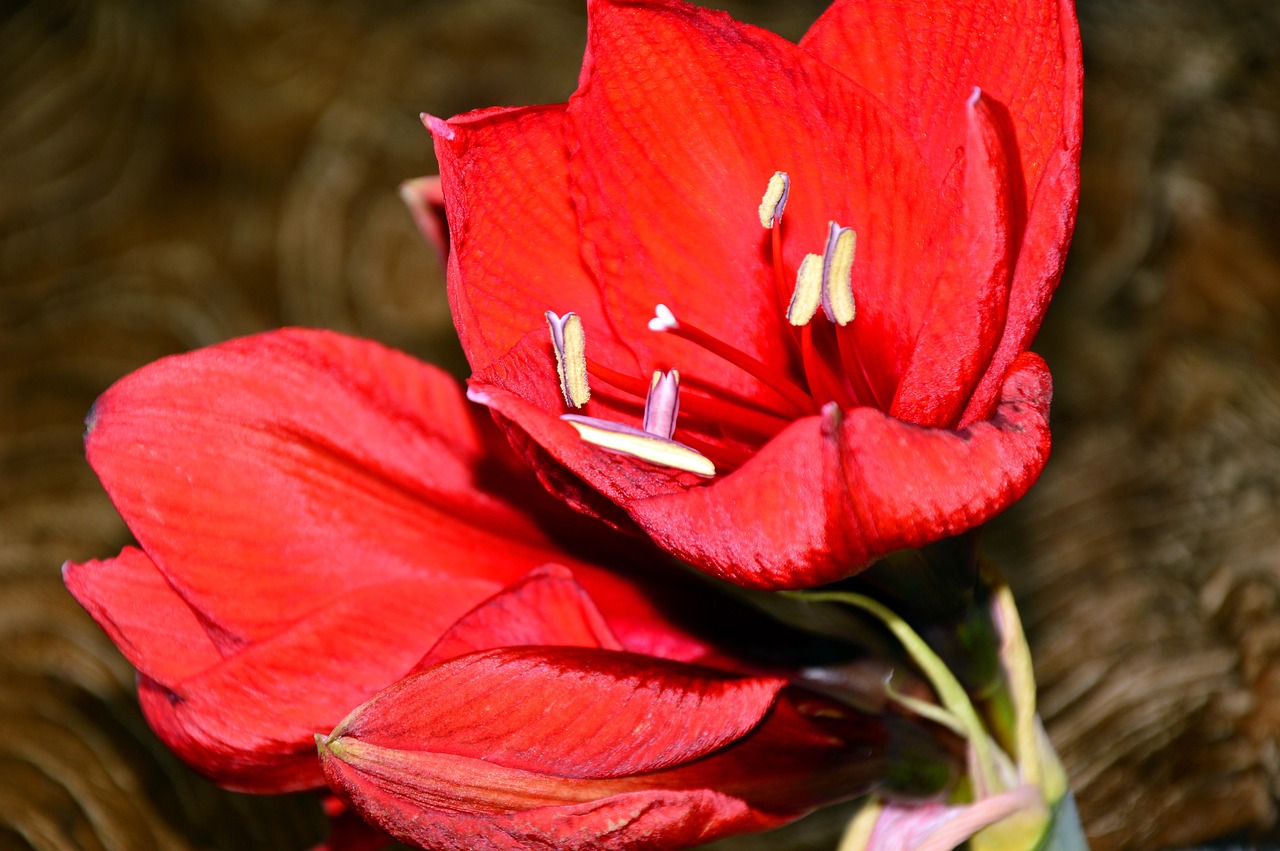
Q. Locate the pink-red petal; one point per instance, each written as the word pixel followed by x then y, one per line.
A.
pixel 431 801
pixel 713 756
pixel 425 199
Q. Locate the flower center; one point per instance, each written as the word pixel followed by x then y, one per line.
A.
pixel 834 374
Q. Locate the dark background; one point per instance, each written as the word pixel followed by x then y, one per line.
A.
pixel 175 174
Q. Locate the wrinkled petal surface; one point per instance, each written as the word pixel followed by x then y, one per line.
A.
pixel 922 58
pixel 946 136
pixel 682 116
pixel 588 748
pixel 822 498
pixel 547 607
pixel 315 512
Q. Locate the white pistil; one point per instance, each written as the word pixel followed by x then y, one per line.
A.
pixel 570 343
pixel 662 404
pixel 626 440
pixel 808 292
pixel 663 319
pixel 837 274
pixel 775 199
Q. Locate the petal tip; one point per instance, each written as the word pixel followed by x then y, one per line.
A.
pixel 480 397
pixel 437 126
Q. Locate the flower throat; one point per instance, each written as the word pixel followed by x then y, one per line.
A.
pixel 822 281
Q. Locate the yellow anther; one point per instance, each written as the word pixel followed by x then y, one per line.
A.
pixel 638 444
pixel 570 343
pixel 775 199
pixel 808 292
pixel 837 275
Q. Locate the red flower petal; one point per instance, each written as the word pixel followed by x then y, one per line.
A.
pixel 822 500
pixel 515 248
pixel 922 58
pixel 547 607
pixel 568 711
pixel 970 298
pixel 250 722
pixel 320 509
pixel 154 628
pixel 1040 263
pixel 272 475
pixel 582 748
pixel 682 116
pixel 585 815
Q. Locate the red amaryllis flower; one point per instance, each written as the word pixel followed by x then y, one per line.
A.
pixel 529 726
pixel 853 347
pixel 313 513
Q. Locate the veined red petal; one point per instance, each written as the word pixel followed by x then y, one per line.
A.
pixel 821 501
pixel 568 711
pixel 1040 263
pixel 154 628
pixel 922 57
pixel 969 299
pixel 515 242
pixel 681 118
pixel 547 607
pixel 321 509
pixel 584 748
pixel 271 475
pixel 250 721
pixel 583 815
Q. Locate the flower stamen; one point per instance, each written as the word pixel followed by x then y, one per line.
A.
pixel 652 443
pixel 782 386
pixel 738 414
pixel 662 404
pixel 775 199
pixel 808 292
pixel 570 343
pixel 837 274
pixel 627 440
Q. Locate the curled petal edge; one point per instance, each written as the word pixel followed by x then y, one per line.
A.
pixel 825 497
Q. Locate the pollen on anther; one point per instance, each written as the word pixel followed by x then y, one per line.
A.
pixel 570 344
pixel 808 292
pixel 775 199
pixel 837 274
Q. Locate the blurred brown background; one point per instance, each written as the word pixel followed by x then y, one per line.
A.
pixel 177 174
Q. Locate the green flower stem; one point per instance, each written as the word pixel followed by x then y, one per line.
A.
pixel 950 692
